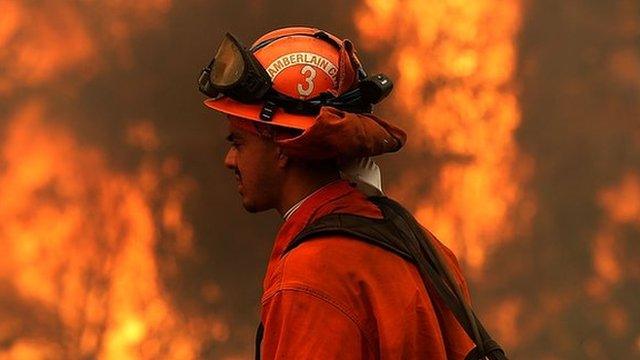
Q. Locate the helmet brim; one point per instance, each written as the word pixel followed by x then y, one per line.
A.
pixel 252 112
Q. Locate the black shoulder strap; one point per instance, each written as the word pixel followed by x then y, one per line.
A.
pixel 401 234
pixel 374 231
pixel 259 335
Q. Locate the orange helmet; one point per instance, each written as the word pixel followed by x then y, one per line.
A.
pixel 307 68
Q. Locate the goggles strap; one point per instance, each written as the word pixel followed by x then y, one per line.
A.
pixel 319 35
pixel 350 102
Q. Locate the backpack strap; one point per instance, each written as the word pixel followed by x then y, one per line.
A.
pixel 259 336
pixel 374 231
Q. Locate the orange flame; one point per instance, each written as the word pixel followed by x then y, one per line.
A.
pixel 80 273
pixel 455 66
pixel 79 247
pixel 621 204
pixel 47 40
pixel 612 264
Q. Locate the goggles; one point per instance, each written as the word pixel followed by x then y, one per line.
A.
pixel 235 72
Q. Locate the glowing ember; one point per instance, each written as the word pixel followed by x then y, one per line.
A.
pixel 455 66
pixel 622 203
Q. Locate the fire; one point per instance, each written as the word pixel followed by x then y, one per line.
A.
pixel 621 204
pixel 79 245
pixel 46 41
pixel 506 314
pixel 31 39
pixel 87 249
pixel 455 68
pixel 615 266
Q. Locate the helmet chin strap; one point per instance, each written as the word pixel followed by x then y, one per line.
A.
pixel 364 173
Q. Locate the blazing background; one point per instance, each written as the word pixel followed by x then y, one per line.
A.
pixel 121 237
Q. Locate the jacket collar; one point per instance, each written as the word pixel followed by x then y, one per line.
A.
pixel 336 197
pixel 310 209
pixel 295 207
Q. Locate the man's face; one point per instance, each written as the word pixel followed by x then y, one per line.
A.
pixel 254 160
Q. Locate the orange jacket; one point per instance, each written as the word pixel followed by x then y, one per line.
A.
pixel 338 298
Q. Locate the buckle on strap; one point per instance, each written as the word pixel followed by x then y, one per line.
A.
pixel 268 110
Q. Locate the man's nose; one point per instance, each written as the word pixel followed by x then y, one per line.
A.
pixel 230 159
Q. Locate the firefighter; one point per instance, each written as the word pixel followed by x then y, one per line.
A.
pixel 301 135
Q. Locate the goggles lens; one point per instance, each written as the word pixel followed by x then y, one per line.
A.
pixel 229 63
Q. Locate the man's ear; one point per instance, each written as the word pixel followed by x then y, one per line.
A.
pixel 282 160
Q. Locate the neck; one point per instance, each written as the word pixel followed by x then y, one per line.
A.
pixel 297 187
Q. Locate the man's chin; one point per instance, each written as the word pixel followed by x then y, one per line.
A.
pixel 252 207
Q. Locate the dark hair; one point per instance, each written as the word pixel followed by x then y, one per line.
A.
pixel 271 133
